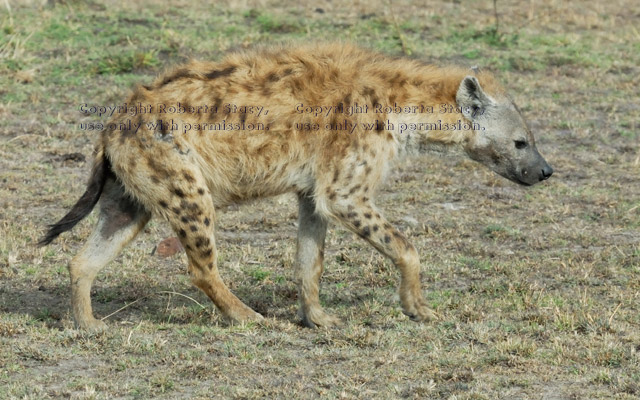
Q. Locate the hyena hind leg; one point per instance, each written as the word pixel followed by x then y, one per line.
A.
pixel 185 200
pixel 120 220
pixel 312 229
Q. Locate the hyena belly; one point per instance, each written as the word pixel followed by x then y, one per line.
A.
pixel 243 166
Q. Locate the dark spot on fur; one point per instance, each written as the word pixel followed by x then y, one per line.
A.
pixel 178 192
pixel 366 232
pixel 367 215
pixel 200 191
pixel 188 247
pixel 354 189
pixel 182 233
pixel 399 80
pixel 207 221
pixel 188 177
pixel 163 204
pixel 365 199
pixel 387 239
pixel 153 165
pixel 287 72
pixel 202 241
pixel 375 228
pixel 194 208
pixel 126 134
pixel 332 196
pixel 397 234
pixel 211 266
pixel 219 74
pixel 347 100
pixel 193 228
pixel 163 127
pixel 357 223
pixel 155 179
pixel 207 253
pixel 351 215
pixel 178 74
pixel 272 77
pixel 176 210
pixel 185 219
pixel 336 175
pixel 213 114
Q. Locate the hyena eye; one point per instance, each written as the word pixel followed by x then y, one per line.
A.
pixel 520 144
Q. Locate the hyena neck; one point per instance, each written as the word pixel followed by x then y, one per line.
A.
pixel 431 132
pixel 435 123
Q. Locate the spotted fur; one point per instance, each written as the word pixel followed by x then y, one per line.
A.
pixel 184 175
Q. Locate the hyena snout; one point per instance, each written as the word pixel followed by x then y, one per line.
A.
pixel 535 172
pixel 546 172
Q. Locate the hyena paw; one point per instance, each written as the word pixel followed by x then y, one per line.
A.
pixel 315 317
pixel 420 312
pixel 91 325
pixel 242 315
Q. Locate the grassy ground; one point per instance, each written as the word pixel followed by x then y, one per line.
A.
pixel 538 288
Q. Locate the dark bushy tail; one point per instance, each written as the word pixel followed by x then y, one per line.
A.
pixel 99 173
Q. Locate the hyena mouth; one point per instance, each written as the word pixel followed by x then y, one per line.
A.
pixel 523 183
pixel 522 178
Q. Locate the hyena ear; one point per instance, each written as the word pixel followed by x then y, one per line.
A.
pixel 471 98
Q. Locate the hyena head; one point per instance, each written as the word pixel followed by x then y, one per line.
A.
pixel 501 139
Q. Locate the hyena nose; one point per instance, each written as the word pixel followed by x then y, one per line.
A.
pixel 547 171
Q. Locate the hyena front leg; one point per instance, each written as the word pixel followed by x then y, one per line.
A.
pixel 362 218
pixel 120 220
pixel 312 229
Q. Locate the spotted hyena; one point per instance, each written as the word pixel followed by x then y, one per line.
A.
pixel 323 121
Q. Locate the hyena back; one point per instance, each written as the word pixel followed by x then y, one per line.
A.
pixel 184 165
